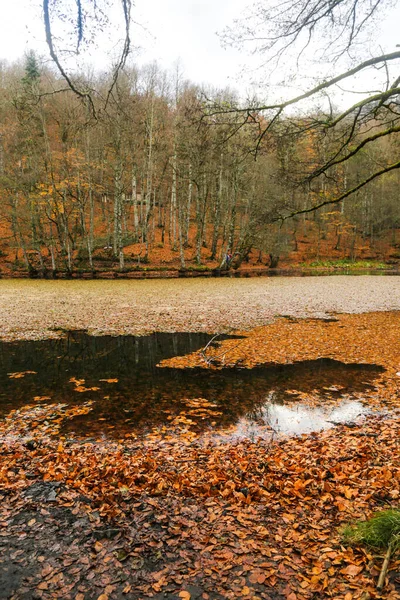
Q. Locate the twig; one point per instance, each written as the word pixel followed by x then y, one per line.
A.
pixel 212 359
pixel 204 350
pixel 382 576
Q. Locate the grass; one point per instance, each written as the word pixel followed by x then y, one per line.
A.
pixel 345 263
pixel 380 531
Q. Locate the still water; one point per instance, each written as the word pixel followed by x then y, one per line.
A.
pixel 131 394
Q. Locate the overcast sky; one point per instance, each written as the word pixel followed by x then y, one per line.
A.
pixel 187 30
pixel 165 30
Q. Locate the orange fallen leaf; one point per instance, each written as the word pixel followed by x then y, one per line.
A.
pixel 43 586
pixel 317 570
pixel 76 381
pixel 351 570
pixel 348 493
pixel 109 380
pixel 20 374
pixel 82 388
pixel 184 595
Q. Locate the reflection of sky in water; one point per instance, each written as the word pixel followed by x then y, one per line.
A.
pixel 130 394
pixel 296 418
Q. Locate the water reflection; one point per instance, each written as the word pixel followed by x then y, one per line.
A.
pixel 266 272
pixel 131 394
pixel 295 418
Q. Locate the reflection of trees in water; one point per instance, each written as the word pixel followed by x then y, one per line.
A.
pixel 92 352
pixel 260 412
pixel 267 414
pixel 146 395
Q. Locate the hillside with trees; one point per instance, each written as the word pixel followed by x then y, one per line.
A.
pixel 146 173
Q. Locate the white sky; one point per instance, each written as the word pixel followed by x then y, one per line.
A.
pixel 169 30
pixel 187 30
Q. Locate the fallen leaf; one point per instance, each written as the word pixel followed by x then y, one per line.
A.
pixel 351 570
pixel 20 374
pixel 43 585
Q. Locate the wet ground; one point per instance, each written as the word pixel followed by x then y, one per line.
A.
pixel 131 394
pixel 214 518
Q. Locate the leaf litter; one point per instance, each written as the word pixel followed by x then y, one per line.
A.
pixel 178 515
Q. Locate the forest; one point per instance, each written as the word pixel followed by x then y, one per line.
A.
pixel 148 173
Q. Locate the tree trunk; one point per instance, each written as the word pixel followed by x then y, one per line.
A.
pixel 188 206
pixel 273 261
pixel 217 213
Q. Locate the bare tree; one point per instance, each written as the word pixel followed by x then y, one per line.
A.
pixel 334 32
pixel 79 24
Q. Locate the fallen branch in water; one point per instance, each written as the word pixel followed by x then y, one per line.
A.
pixel 214 359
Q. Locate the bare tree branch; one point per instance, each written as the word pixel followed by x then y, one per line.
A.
pixel 54 56
pixel 320 87
pixel 346 194
pixel 354 150
pixel 85 94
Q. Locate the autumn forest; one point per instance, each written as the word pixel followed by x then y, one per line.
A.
pixel 154 171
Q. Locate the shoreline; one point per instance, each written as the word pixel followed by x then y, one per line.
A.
pixel 174 273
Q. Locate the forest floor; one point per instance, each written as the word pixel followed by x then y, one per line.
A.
pixel 178 515
pixel 310 251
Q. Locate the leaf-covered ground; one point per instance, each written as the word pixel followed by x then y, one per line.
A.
pixel 176 515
